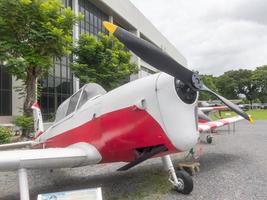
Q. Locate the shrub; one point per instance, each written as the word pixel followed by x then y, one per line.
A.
pixel 25 123
pixel 5 135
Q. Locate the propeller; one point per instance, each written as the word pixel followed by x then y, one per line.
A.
pixel 154 56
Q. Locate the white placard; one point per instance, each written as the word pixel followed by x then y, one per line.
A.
pixel 85 194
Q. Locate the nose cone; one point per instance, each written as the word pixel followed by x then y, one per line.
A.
pixel 179 117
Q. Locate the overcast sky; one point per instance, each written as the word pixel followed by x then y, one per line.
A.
pixel 214 35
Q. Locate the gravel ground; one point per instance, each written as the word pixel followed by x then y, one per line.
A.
pixel 233 167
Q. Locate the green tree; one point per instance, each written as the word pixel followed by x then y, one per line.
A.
pixel 226 85
pixel 260 79
pixel 32 33
pixel 236 82
pixel 246 85
pixel 104 61
pixel 210 81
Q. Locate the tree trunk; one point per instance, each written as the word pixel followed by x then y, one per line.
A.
pixel 250 102
pixel 30 84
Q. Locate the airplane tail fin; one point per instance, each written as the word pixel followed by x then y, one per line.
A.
pixel 38 120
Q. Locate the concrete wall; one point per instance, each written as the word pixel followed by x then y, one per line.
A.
pixel 17 101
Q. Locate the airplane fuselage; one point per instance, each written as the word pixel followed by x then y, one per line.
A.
pixel 143 113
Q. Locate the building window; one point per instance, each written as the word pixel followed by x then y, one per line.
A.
pixel 5 93
pixel 67 3
pixel 56 88
pixel 59 85
pixel 92 22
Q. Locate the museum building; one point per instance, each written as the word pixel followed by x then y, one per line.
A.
pixel 61 83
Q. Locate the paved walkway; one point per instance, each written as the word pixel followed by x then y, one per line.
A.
pixel 234 167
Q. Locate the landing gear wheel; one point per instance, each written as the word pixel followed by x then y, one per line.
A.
pixel 185 182
pixel 209 139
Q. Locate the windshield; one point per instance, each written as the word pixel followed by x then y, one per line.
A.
pixel 87 92
pixel 90 91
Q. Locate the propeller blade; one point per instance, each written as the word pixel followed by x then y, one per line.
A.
pixel 154 56
pixel 228 103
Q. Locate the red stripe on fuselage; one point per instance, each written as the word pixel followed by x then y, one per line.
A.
pixel 117 134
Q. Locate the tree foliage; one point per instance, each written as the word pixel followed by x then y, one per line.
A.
pixel 209 81
pixel 227 85
pixel 260 79
pixel 32 33
pixel 104 61
pixel 235 83
pixel 25 123
pixel 5 135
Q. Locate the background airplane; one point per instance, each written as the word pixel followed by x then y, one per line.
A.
pixel 151 117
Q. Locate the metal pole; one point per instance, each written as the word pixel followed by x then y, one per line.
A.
pixel 75 8
pixel 167 162
pixel 23 185
pixel 229 129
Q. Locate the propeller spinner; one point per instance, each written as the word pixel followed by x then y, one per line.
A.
pixel 163 62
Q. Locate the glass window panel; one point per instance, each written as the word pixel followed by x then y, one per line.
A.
pixel 64 60
pixel 82 24
pixel 65 87
pixel 51 104
pixel 44 102
pixel 91 28
pixel 81 7
pixel 99 24
pixel 1 79
pixel 95 20
pixel 87 16
pixel 73 102
pixel 6 80
pixel 57 70
pixel 95 31
pixel 5 93
pixel 1 103
pixel 64 71
pixel 44 85
pixel 91 18
pixel 64 97
pixel 6 103
pixel 58 85
pixel 50 84
pixel 57 61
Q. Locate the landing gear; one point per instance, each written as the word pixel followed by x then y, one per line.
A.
pixel 185 182
pixel 209 139
pixel 180 179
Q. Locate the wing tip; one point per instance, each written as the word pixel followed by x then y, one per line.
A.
pixel 251 120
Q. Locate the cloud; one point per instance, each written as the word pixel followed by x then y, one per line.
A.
pixel 214 36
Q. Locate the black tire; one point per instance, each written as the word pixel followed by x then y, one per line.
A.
pixel 189 171
pixel 187 181
pixel 209 139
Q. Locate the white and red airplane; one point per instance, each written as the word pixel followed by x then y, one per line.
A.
pixel 151 117
pixel 208 126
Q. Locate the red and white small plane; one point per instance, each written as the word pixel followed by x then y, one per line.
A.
pixel 151 117
pixel 207 125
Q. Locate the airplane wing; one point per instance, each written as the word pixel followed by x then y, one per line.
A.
pixel 76 155
pixel 17 145
pixel 207 126
pixel 208 109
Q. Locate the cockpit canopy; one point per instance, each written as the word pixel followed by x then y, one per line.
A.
pixel 87 92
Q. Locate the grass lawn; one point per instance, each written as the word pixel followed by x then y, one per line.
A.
pixel 256 114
